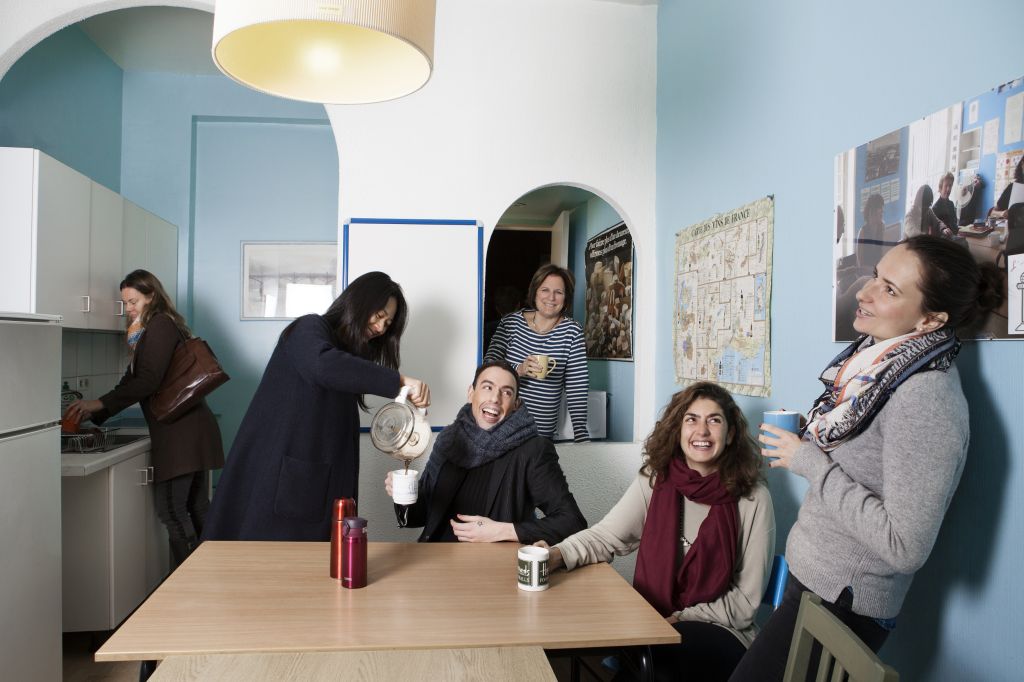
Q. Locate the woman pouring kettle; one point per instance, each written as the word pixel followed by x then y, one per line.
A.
pixel 298 446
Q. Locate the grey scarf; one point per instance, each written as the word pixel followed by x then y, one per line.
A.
pixel 465 444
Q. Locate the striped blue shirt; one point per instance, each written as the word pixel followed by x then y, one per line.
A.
pixel 514 340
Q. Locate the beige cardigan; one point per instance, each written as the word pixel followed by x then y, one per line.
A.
pixel 619 533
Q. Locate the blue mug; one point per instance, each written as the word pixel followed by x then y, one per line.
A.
pixel 784 419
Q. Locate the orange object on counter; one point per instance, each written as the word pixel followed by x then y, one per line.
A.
pixel 69 424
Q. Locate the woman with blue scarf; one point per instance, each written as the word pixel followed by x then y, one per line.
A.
pixel 183 450
pixel 883 448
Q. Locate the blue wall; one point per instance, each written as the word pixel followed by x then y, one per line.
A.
pixel 757 99
pixel 64 97
pixel 613 376
pixel 227 164
pixel 256 182
pixel 160 113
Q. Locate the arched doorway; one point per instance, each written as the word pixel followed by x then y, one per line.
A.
pixel 554 224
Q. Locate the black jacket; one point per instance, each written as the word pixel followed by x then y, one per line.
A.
pixel 523 479
pixel 298 446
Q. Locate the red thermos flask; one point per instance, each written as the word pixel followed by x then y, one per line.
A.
pixel 353 557
pixel 344 506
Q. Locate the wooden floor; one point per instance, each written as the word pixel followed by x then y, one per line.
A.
pixel 79 665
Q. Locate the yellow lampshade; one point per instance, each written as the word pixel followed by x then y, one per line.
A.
pixel 329 51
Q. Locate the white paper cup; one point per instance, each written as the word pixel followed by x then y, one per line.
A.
pixel 533 568
pixel 404 485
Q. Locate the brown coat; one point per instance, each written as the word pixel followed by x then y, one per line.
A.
pixel 188 444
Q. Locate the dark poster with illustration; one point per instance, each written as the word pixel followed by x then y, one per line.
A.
pixel 609 295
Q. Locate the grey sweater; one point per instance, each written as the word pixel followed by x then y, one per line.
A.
pixel 874 504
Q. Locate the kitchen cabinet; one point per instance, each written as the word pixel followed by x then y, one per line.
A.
pixel 106 232
pixel 114 546
pixel 67 241
pixel 44 215
pixel 151 243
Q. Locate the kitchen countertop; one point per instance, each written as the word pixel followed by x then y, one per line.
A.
pixel 85 463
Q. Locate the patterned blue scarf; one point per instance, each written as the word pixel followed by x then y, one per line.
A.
pixel 853 397
pixel 134 333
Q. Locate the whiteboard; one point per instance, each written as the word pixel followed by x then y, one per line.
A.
pixel 439 265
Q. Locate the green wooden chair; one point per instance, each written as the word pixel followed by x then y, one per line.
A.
pixel 843 656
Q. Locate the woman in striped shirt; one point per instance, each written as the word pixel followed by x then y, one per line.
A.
pixel 546 329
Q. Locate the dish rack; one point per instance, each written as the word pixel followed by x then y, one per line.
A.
pixel 93 440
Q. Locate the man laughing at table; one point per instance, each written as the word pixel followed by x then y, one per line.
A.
pixel 489 471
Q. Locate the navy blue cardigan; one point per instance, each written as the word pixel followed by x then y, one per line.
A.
pixel 298 446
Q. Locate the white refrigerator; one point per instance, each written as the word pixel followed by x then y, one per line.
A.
pixel 30 561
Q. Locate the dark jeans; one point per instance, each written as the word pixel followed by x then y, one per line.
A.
pixel 181 503
pixel 707 653
pixel 766 658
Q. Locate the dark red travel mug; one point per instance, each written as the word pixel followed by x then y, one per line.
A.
pixel 353 557
pixel 344 506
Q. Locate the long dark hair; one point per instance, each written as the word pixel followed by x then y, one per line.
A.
pixel 349 316
pixel 739 465
pixel 147 284
pixel 952 282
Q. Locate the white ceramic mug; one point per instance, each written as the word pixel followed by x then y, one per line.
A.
pixel 533 568
pixel 404 485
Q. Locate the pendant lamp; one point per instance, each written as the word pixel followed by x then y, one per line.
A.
pixel 329 51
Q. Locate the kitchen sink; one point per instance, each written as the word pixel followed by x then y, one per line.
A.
pixel 104 441
pixel 119 440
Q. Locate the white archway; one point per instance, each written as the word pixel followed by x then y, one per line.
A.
pixel 643 334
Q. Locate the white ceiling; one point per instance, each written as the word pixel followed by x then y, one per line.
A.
pixel 171 39
pixel 541 207
pixel 166 39
pixel 178 40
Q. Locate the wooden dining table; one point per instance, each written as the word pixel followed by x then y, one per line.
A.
pixel 265 597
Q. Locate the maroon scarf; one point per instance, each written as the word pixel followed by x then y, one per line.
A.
pixel 707 567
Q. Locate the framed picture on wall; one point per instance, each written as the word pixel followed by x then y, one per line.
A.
pixel 284 280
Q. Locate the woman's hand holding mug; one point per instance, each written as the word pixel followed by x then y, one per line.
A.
pixel 536 366
pixel 554 555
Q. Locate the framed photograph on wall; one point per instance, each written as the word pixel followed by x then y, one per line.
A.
pixel 284 280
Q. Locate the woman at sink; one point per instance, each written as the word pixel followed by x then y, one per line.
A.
pixel 297 448
pixel 183 451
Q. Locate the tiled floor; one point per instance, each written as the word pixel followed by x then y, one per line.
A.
pixel 79 665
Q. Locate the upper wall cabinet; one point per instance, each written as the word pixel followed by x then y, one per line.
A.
pixel 151 243
pixel 45 222
pixel 66 241
pixel 106 233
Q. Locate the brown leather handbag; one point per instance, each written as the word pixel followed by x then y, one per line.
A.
pixel 192 375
